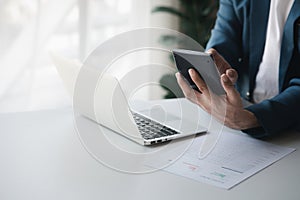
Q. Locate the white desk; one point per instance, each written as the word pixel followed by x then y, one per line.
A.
pixel 42 158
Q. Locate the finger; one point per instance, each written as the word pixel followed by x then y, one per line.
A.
pixel 190 93
pixel 232 94
pixel 220 62
pixel 186 89
pixel 182 83
pixel 201 85
pixel 232 75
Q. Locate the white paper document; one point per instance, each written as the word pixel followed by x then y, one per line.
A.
pixel 234 158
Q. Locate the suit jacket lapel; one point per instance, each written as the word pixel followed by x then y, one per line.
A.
pixel 259 14
pixel 287 46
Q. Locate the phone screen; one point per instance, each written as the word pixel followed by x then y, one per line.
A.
pixel 203 64
pixel 183 66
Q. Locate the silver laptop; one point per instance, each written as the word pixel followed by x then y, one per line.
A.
pixel 148 124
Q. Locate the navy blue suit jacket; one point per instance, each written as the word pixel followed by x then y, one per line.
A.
pixel 239 36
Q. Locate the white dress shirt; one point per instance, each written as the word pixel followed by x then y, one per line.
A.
pixel 267 79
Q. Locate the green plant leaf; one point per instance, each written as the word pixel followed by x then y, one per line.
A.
pixel 169 10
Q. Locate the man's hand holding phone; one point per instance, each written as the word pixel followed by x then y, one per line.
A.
pixel 235 115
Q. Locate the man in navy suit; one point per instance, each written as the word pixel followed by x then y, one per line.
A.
pixel 257 41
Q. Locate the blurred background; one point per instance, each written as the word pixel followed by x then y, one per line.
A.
pixel 31 29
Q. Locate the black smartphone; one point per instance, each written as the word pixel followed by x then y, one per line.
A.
pixel 203 64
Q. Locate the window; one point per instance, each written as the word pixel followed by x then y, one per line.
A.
pixel 31 29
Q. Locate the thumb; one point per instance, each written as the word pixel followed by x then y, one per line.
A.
pixel 220 62
pixel 232 94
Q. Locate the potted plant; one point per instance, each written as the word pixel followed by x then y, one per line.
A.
pixel 197 18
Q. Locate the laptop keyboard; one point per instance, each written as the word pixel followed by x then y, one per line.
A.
pixel 150 129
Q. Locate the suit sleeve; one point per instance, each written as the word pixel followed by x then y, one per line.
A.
pixel 226 35
pixel 279 113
